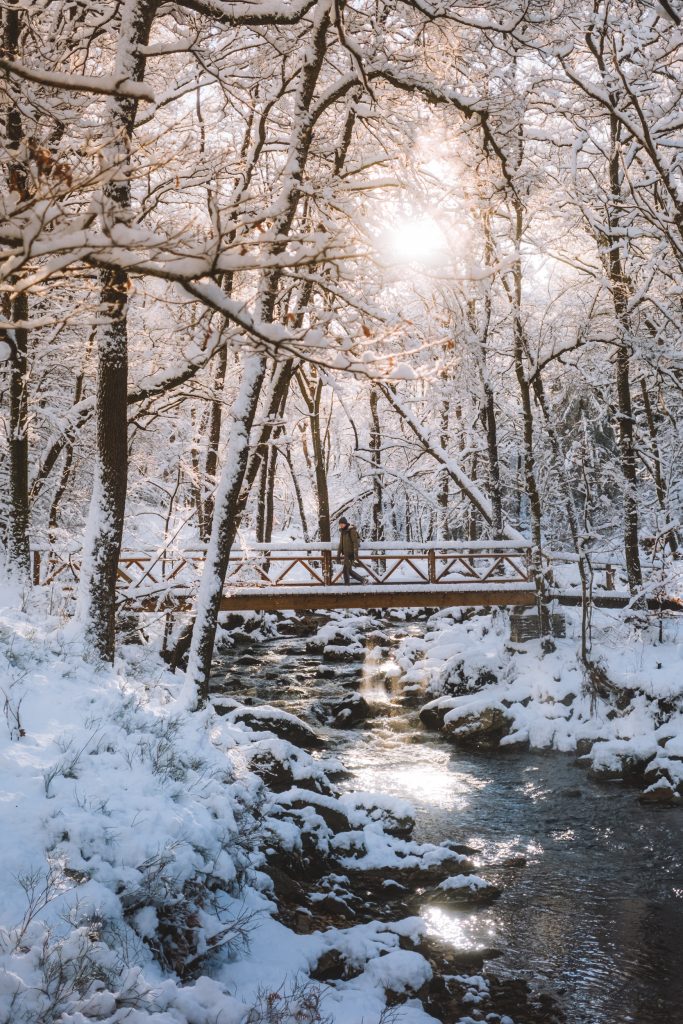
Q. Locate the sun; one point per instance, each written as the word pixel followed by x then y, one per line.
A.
pixel 417 240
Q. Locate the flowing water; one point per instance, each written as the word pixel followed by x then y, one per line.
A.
pixel 592 904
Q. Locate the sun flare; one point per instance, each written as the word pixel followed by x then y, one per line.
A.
pixel 417 240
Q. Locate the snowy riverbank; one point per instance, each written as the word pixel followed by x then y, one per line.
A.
pixel 490 693
pixel 149 869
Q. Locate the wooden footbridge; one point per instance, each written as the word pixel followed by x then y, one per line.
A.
pixel 299 576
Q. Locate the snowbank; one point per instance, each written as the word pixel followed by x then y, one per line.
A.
pixel 492 694
pixel 135 838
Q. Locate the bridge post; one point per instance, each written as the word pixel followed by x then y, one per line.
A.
pixel 327 567
pixel 431 565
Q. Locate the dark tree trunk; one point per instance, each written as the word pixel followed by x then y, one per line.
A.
pixel 312 396
pixel 18 549
pixel 213 441
pixel 495 489
pixel 102 546
pixel 376 462
pixel 16 310
pixel 625 423
pixel 111 471
pixel 489 406
pixel 443 494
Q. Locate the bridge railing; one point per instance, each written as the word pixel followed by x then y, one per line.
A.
pixel 482 563
pixel 389 563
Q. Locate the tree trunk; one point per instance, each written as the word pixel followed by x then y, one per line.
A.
pixel 443 525
pixel 225 524
pixel 489 407
pixel 104 531
pixel 228 497
pixel 67 465
pixel 519 345
pixel 495 489
pixel 297 492
pixel 213 441
pixel 377 482
pixel 625 425
pixel 16 310
pixel 660 486
pixel 312 397
pixel 18 549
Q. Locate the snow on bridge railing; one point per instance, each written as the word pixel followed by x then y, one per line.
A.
pixel 302 564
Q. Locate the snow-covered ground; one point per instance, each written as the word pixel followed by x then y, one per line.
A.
pixel 134 840
pixel 489 692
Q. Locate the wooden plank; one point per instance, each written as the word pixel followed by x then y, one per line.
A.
pixel 605 599
pixel 387 598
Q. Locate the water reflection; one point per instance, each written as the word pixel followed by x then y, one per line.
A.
pixel 464 931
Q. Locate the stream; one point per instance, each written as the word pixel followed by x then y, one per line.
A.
pixel 592 903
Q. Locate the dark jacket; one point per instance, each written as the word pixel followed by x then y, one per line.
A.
pixel 349 543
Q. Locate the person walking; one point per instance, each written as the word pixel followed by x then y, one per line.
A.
pixel 347 552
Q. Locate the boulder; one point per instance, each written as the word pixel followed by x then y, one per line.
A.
pixel 337 652
pixel 276 774
pixel 482 729
pixel 464 891
pixel 333 966
pixel 224 705
pixel 350 711
pixel 334 817
pixel 586 744
pixel 432 715
pixel 662 793
pixel 265 718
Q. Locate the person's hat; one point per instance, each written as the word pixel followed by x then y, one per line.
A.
pixel 344 520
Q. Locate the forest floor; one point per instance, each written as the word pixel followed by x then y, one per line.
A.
pixel 157 863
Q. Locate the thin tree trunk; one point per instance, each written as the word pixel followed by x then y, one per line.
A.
pixel 18 548
pixel 297 492
pixel 376 459
pixel 442 498
pixel 377 483
pixel 262 500
pixel 271 474
pixel 472 521
pixel 625 423
pixel 213 441
pixel 489 407
pixel 519 345
pixel 660 486
pixel 312 397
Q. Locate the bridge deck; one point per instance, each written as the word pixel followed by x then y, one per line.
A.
pixel 406 595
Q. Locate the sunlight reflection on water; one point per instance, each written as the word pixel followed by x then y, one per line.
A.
pixel 427 781
pixel 460 929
